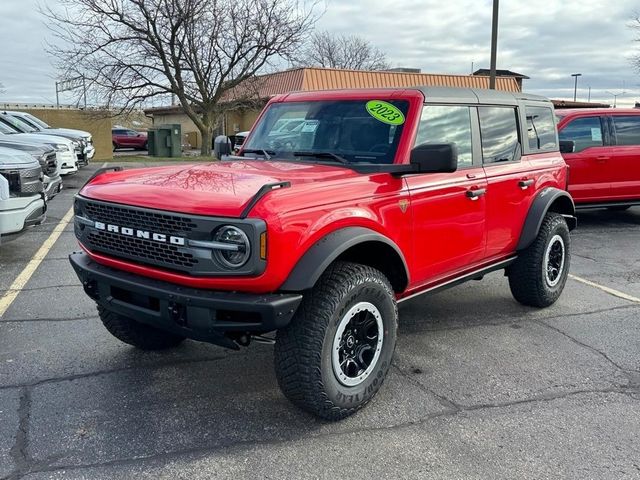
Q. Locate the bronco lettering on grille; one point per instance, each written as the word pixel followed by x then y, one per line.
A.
pixel 144 234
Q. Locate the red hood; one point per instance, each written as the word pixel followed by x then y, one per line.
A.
pixel 223 188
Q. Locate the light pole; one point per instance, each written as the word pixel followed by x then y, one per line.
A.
pixel 494 45
pixel 615 97
pixel 575 85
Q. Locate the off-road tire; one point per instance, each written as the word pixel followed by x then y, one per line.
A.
pixel 303 350
pixel 527 275
pixel 619 208
pixel 137 334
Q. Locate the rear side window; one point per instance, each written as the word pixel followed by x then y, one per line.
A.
pixel 447 124
pixel 627 130
pixel 584 132
pixel 499 131
pixel 541 128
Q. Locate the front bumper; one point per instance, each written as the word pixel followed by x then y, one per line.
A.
pixel 53 186
pixel 203 315
pixel 67 162
pixel 16 213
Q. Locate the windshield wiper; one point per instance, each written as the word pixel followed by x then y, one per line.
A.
pixel 338 158
pixel 265 153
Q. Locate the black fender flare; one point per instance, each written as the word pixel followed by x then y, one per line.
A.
pixel 318 257
pixel 539 208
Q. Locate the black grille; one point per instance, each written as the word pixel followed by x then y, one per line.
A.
pixel 152 252
pixel 50 165
pixel 140 244
pixel 145 220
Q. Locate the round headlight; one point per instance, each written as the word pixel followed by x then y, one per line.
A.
pixel 239 248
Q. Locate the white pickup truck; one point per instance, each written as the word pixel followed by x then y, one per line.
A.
pixel 21 191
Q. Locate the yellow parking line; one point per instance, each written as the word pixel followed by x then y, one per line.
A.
pixel 610 291
pixel 22 279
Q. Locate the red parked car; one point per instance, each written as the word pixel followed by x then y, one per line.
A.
pixel 379 196
pixel 125 138
pixel 602 149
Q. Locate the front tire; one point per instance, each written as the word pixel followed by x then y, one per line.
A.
pixel 114 145
pixel 540 272
pixel 333 357
pixel 137 334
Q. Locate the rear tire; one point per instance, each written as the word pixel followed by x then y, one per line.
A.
pixel 540 272
pixel 333 357
pixel 137 334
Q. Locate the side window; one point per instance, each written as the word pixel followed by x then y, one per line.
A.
pixel 541 128
pixel 584 132
pixel 627 130
pixel 499 131
pixel 447 124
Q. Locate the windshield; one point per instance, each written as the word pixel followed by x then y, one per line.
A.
pixel 6 129
pixel 7 126
pixel 19 124
pixel 36 121
pixel 356 131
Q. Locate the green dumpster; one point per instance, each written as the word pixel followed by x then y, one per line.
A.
pixel 165 140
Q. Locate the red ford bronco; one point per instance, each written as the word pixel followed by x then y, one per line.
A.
pixel 317 232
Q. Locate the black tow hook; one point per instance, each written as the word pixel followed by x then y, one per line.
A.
pixel 177 313
pixel 245 339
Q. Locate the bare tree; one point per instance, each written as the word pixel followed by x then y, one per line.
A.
pixel 328 50
pixel 132 51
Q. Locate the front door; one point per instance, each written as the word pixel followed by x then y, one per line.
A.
pixel 448 209
pixel 590 163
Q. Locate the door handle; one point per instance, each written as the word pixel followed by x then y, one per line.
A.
pixel 475 194
pixel 602 159
pixel 524 184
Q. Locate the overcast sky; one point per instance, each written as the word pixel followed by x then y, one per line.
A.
pixel 545 39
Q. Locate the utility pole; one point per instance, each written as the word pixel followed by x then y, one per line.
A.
pixel 589 99
pixel 57 97
pixel 575 85
pixel 494 45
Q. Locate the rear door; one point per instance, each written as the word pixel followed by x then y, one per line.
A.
pixel 625 157
pixel 448 208
pixel 590 168
pixel 510 187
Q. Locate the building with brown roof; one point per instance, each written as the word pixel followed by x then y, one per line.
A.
pixel 241 114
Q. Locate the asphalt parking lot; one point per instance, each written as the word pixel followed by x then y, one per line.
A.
pixel 481 387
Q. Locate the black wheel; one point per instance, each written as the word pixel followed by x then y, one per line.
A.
pixel 538 276
pixel 619 208
pixel 334 355
pixel 145 146
pixel 115 146
pixel 137 334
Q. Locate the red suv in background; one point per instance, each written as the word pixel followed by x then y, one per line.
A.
pixel 125 138
pixel 602 148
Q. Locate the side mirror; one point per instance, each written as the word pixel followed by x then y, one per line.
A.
pixel 567 146
pixel 434 158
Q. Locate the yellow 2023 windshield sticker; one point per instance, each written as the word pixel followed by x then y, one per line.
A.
pixel 385 112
